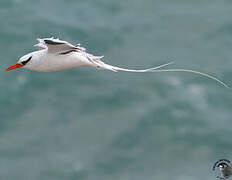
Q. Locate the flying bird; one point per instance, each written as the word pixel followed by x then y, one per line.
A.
pixel 56 55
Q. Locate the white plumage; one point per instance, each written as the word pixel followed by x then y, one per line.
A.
pixel 55 55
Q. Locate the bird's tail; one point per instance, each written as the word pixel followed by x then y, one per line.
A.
pixel 115 68
pixel 102 65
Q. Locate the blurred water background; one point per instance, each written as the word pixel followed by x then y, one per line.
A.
pixel 84 124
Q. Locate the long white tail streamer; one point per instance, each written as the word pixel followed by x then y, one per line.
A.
pixel 157 69
pixel 195 72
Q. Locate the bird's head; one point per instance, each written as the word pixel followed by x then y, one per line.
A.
pixel 23 62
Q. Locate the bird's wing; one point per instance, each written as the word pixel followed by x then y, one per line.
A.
pixel 40 44
pixel 57 46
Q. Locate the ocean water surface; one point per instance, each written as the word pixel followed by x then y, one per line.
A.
pixel 85 124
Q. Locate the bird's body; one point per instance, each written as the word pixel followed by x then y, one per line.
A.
pixel 55 62
pixel 56 55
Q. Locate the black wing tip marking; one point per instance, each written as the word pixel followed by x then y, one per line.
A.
pixel 50 42
pixel 67 52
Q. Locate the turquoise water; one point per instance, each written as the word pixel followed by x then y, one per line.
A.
pixel 92 125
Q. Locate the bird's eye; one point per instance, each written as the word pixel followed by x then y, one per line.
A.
pixel 25 62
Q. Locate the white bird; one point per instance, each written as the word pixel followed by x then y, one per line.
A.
pixel 55 55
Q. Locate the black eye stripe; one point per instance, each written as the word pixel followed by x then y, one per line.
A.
pixel 25 62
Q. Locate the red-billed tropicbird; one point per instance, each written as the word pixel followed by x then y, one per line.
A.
pixel 55 55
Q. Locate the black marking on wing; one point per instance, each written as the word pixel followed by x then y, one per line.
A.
pixel 67 52
pixel 50 42
pixel 25 62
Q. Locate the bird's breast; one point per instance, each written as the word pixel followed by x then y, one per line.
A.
pixel 58 62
